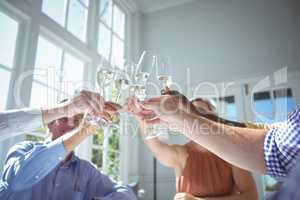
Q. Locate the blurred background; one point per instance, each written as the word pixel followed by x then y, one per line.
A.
pixel 243 55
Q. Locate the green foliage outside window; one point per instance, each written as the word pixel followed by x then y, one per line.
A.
pixel 113 146
pixel 37 138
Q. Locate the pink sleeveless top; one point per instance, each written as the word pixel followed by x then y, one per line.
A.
pixel 205 175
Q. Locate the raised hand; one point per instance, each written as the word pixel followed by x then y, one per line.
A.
pixel 92 103
pixel 168 107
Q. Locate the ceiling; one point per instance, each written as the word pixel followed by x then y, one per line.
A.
pixel 148 6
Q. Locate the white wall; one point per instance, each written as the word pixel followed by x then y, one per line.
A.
pixel 226 40
pixel 219 41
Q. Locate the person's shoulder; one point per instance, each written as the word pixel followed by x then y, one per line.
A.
pixel 87 165
pixel 22 147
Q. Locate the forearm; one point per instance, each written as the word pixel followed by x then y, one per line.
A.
pixel 166 154
pixel 74 138
pixel 51 114
pixel 152 144
pixel 42 160
pixel 239 146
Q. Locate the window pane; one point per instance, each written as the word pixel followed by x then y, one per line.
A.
pixel 98 138
pixel 4 86
pixel 269 111
pixel 55 9
pixel 42 96
pixel 263 107
pixel 97 157
pixel 77 19
pixel 119 21
pixel 118 51
pixel 8 37
pixel 284 103
pixel 106 11
pixel 48 61
pixel 104 41
pixel 228 108
pixel 113 164
pixel 72 74
pixel 114 140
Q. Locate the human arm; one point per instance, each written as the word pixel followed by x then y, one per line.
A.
pixel 242 147
pixel 27 163
pixel 166 154
pixel 19 121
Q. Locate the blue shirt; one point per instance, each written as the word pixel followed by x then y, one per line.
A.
pixel 282 146
pixel 290 188
pixel 35 171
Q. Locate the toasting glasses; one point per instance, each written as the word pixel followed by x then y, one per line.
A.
pixel 131 80
pixel 160 68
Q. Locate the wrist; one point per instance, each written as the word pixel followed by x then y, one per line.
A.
pixel 73 139
pixel 180 121
pixel 188 123
pixel 48 115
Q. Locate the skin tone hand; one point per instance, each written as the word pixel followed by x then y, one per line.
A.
pixel 85 102
pixel 168 109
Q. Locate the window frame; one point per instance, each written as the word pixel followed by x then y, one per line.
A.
pixel 113 33
pixel 11 69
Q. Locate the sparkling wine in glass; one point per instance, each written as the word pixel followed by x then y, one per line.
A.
pixel 164 80
pixel 142 75
pixel 104 77
pixel 163 73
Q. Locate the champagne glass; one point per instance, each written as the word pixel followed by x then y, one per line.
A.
pixel 142 75
pixel 164 79
pixel 104 77
pixel 163 73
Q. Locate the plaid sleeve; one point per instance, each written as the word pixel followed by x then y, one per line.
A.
pixel 282 146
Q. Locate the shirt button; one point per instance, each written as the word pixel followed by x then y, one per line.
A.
pixel 60 158
pixel 36 177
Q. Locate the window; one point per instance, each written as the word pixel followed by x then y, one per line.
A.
pixel 111 32
pixel 57 73
pixel 227 108
pixel 71 14
pixel 106 143
pixel 105 152
pixel 46 80
pixel 111 45
pixel 273 106
pixel 7 49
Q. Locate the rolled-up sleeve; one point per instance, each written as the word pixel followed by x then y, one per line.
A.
pixel 16 122
pixel 27 163
pixel 282 146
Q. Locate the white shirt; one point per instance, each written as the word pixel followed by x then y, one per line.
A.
pixel 17 122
